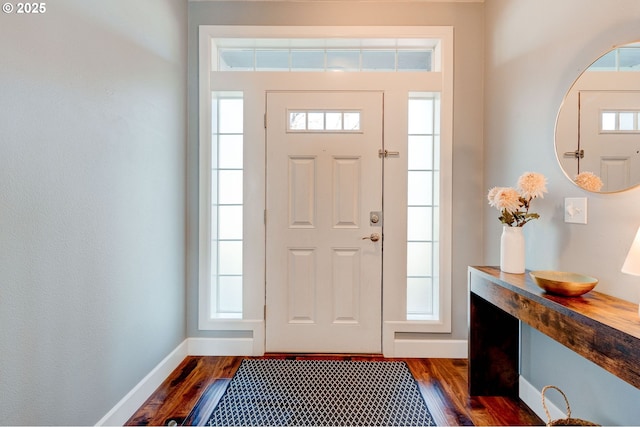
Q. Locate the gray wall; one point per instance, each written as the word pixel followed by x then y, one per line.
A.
pixel 92 196
pixel 535 49
pixel 92 183
pixel 467 18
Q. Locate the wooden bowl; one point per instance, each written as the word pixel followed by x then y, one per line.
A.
pixel 564 283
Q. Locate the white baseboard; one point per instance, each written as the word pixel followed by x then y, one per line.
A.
pixel 436 349
pixel 221 347
pixel 532 397
pixel 127 406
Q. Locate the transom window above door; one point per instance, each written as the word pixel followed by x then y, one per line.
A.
pixel 354 55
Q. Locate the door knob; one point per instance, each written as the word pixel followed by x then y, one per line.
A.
pixel 374 237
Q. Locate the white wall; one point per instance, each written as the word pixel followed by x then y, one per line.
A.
pixel 534 51
pixel 92 196
pixel 467 19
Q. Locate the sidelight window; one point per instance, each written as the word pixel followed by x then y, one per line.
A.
pixel 423 177
pixel 226 204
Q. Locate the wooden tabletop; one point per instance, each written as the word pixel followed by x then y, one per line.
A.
pixel 610 311
pixel 600 327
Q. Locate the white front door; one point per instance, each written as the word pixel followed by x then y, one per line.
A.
pixel 323 190
pixel 613 155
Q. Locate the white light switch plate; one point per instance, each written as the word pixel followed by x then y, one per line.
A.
pixel 575 210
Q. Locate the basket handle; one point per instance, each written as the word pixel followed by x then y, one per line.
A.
pixel 544 404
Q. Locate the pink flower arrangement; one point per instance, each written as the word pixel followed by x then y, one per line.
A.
pixel 589 181
pixel 514 203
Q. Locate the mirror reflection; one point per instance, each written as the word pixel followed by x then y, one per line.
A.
pixel 598 125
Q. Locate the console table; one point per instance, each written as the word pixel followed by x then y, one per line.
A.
pixel 599 327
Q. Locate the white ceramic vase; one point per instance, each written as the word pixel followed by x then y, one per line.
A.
pixel 512 250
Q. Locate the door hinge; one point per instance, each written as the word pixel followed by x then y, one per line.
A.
pixel 265 120
pixel 265 312
pixel 386 153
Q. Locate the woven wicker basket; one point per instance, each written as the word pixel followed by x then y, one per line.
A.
pixel 563 421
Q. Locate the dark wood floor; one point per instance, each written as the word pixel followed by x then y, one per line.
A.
pixel 443 383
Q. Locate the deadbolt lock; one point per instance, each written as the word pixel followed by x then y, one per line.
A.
pixel 375 218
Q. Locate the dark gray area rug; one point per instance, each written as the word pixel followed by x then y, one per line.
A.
pixel 275 392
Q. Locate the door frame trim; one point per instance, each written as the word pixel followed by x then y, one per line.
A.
pixel 253 311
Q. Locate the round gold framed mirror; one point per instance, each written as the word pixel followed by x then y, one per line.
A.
pixel 597 135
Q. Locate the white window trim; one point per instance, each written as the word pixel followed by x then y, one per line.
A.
pixel 394 329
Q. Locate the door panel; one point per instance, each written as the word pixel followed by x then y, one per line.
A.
pixel 611 155
pixel 323 274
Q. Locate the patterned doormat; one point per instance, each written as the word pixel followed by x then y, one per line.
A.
pixel 272 392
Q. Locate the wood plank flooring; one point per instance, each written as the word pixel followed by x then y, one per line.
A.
pixel 443 383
